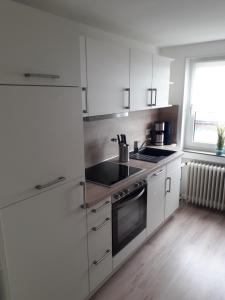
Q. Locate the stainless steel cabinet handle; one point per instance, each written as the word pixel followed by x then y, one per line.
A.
pixel 96 228
pixel 84 91
pixel 155 98
pixel 97 262
pixel 128 95
pixel 43 186
pixel 95 210
pixel 83 184
pixel 169 190
pixel 39 75
pixel 149 97
pixel 158 173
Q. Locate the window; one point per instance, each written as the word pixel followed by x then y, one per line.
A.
pixel 206 103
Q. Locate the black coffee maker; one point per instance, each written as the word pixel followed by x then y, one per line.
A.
pixel 168 133
pixel 162 133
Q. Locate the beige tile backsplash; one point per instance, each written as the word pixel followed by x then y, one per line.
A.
pixel 97 134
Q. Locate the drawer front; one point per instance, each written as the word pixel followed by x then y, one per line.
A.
pixel 174 165
pixel 100 272
pixel 159 173
pixel 97 214
pixel 100 254
pixel 99 242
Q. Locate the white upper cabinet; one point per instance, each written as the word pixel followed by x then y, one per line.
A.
pixel 37 48
pixel 160 80
pixel 117 79
pixel 108 78
pixel 41 134
pixel 140 79
pixel 45 238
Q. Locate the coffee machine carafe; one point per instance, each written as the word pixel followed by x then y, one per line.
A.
pixel 159 133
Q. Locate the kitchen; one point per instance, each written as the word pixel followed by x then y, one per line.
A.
pixel 111 185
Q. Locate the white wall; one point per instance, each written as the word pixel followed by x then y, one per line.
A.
pixel 115 38
pixel 180 53
pixel 100 34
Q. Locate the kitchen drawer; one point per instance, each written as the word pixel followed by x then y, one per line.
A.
pixel 98 213
pixel 99 272
pixel 174 165
pixel 99 241
pixel 100 253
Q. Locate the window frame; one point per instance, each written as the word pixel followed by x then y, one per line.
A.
pixel 189 115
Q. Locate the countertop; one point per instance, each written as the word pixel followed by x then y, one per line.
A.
pixel 96 193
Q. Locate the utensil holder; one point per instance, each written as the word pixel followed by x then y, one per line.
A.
pixel 123 152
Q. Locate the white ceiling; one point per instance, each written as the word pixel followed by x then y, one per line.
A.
pixel 160 22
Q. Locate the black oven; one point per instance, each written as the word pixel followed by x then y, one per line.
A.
pixel 128 214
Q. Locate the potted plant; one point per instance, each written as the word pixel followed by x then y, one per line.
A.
pixel 220 139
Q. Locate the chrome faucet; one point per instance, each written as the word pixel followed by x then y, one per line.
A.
pixel 136 148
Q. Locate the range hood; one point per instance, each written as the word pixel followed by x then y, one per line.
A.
pixel 108 116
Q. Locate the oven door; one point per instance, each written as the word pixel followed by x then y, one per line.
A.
pixel 128 218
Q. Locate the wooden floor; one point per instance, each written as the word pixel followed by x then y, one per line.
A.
pixel 184 261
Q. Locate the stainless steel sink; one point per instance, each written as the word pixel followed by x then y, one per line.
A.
pixel 152 155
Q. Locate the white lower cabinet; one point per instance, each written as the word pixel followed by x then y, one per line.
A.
pixel 45 245
pixel 163 194
pixel 156 200
pixel 172 187
pixel 99 242
pixel 49 243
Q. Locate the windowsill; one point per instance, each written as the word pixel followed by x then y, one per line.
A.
pixel 203 152
pixel 204 156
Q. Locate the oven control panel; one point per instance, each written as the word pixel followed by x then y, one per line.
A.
pixel 129 190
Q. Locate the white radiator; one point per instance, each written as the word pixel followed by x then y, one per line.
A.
pixel 206 185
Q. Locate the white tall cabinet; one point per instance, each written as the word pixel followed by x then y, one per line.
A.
pixel 43 225
pixel 43 230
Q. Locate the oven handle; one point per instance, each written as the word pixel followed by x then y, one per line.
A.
pixel 132 199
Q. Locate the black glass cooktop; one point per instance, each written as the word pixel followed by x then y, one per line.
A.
pixel 108 173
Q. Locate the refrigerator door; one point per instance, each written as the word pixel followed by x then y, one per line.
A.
pixel 41 133
pixel 45 241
